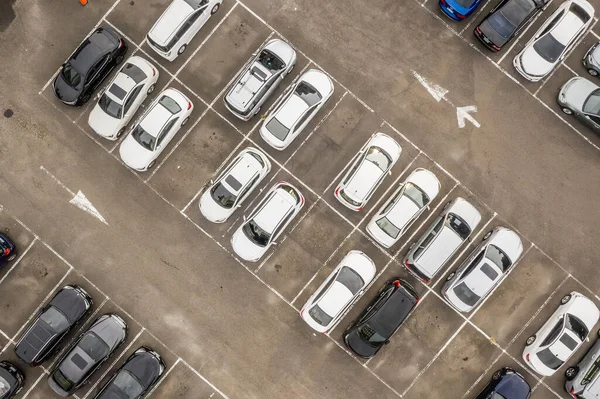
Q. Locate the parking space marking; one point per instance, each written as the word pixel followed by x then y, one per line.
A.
pixel 487 370
pixel 569 68
pixel 163 377
pixel 34 385
pixel 205 380
pixel 85 37
pixel 18 259
pixel 114 363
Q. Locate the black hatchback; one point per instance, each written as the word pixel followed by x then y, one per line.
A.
pixel 11 380
pixel 89 65
pixel 140 372
pixel 8 249
pixel 381 319
pixel 52 324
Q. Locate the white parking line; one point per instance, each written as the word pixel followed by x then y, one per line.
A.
pixel 18 260
pixel 164 377
pixel 214 388
pixel 485 372
pixel 569 68
pixel 34 385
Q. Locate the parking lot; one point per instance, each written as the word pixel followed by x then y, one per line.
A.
pixel 438 352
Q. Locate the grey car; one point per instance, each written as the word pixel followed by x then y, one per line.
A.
pixel 591 60
pixel 583 380
pixel 87 354
pixel 581 98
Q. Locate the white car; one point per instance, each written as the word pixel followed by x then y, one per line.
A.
pixel 562 334
pixel 370 166
pixel 177 26
pixel 267 221
pixel 405 205
pixel 296 109
pixel 123 96
pixel 237 181
pixel 339 291
pixel 484 269
pixel 155 129
pixel 554 39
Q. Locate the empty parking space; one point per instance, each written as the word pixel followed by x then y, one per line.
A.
pixel 183 383
pixel 135 18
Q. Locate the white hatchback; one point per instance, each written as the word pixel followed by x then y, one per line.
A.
pixel 554 39
pixel 118 103
pixel 155 129
pixel 237 181
pixel 267 221
pixel 405 205
pixel 373 162
pixel 296 109
pixel 178 25
pixel 562 334
pixel 339 291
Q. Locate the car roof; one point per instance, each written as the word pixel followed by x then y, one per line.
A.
pixel 249 84
pixel 155 119
pixel 125 83
pixel 363 180
pixel 246 167
pixel 438 251
pixel 395 309
pixel 70 303
pixel 168 23
pixel 275 209
pixel 293 109
pixel 337 296
pixel 402 211
pixel 483 277
pixel 96 46
pixel 558 347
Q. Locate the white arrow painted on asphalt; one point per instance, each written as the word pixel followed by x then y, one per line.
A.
pixel 462 114
pixel 436 91
pixel 79 199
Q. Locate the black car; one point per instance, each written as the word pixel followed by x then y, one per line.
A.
pixel 89 65
pixel 52 324
pixel 506 383
pixel 381 319
pixel 8 249
pixel 87 354
pixel 505 20
pixel 136 377
pixel 11 380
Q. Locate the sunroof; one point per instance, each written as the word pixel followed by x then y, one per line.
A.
pixel 117 91
pixel 79 361
pixel 489 271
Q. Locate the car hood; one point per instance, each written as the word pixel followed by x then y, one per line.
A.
pixel 102 123
pixel 211 210
pixel 64 91
pixel 359 345
pixel 533 64
pixel 133 154
pixel 576 91
pixel 245 248
pixel 486 28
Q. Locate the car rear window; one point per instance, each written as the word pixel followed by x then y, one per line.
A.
pixel 319 315
pixel 416 195
pixel 170 104
pixel 388 227
pixel 307 93
pixel 277 129
pixel 350 279
pixel 256 234
pixel 497 256
pixel 63 381
pixel 223 196
pixel 109 106
pixel 465 294
pixel 577 326
pixel 579 12
pixel 144 138
pixel 70 75
pixel 547 357
pixel 134 72
pixel 549 48
pixel 378 157
pixel 459 226
pixel 128 384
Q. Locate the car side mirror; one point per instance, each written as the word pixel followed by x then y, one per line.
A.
pixel 387 341
pixel 587 339
pixel 238 206
pixel 390 173
pixel 274 243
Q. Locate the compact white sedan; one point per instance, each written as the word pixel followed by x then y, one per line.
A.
pixel 484 269
pixel 296 109
pixel 237 181
pixel 405 205
pixel 370 166
pixel 178 25
pixel 339 291
pixel 156 128
pixel 267 221
pixel 554 39
pixel 562 334
pixel 124 95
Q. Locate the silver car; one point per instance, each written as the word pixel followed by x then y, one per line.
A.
pixel 581 98
pixel 591 60
pixel 259 78
pixel 442 239
pixel 583 380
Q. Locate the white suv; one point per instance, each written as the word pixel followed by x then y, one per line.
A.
pixel 178 25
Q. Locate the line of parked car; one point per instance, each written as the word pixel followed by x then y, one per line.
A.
pixel 464 289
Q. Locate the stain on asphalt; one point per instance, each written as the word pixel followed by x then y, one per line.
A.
pixel 7 13
pixel 8 113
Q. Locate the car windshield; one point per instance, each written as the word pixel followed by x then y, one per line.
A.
pixel 170 104
pixel 319 315
pixel 388 227
pixel 257 235
pixel 144 138
pixel 111 107
pixel 350 279
pixel 549 48
pixel 63 381
pixel 497 256
pixel 307 93
pixel 577 326
pixel 369 334
pixel 270 61
pixel 134 72
pixel 277 129
pixel 459 226
pixel 416 195
pixel 592 103
pixel 128 384
pixel 71 76
pixel 55 319
pixel 379 158
pixel 4 388
pixel 500 23
pixel 93 346
pixel 547 357
pixel 465 294
pixel 223 197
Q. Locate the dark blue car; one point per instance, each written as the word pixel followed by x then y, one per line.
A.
pixel 506 383
pixel 8 249
pixel 458 9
